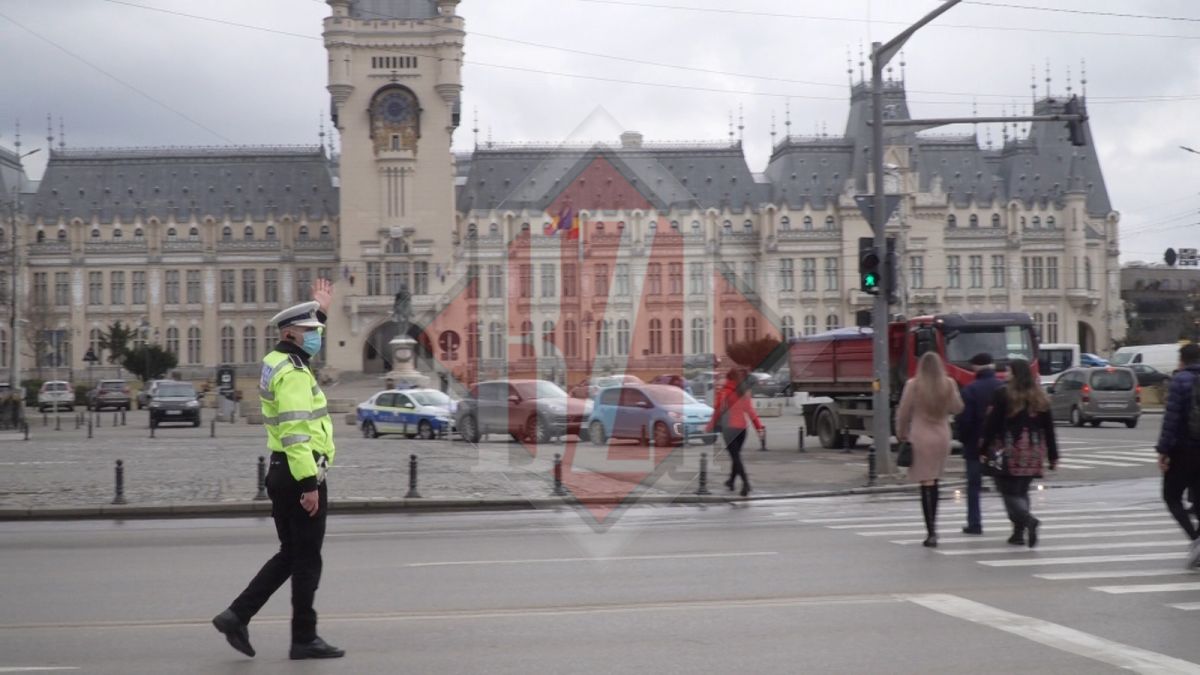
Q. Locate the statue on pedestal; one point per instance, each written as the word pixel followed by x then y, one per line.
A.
pixel 402 346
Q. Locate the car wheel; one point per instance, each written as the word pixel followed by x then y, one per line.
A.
pixel 425 430
pixel 662 435
pixel 827 431
pixel 1132 424
pixel 368 430
pixel 1076 417
pixel 469 429
pixel 537 430
pixel 596 433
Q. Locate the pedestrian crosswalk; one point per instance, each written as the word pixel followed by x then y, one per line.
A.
pixel 1119 456
pixel 1113 550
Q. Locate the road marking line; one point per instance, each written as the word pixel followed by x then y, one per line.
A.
pixel 532 561
pixel 1111 574
pixel 1057 536
pixel 867 519
pixel 1140 454
pixel 904 520
pixel 1069 547
pixel 1187 606
pixel 1057 636
pixel 34 669
pixel 1096 462
pixel 1148 588
pixel 1044 526
pixel 1079 560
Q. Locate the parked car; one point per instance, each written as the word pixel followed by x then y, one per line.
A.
pixel 526 409
pixel 1148 376
pixel 109 394
pixel 56 395
pixel 1086 359
pixel 147 392
pixel 1094 395
pixel 778 383
pixel 416 413
pixel 1164 357
pixel 667 414
pixel 175 402
pixel 589 387
pixel 673 381
pixel 706 381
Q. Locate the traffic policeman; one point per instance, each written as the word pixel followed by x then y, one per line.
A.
pixel 300 437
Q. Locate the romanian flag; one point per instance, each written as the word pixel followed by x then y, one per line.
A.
pixel 567 221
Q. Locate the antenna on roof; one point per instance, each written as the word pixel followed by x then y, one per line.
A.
pixel 741 124
pixel 1083 76
pixel 787 120
pixel 62 134
pixel 1048 78
pixel 489 138
pixel 475 128
pixel 49 132
pixel 1033 83
pixel 17 143
pixel 987 131
pixel 849 67
pixel 902 64
pixel 975 113
pixel 321 132
pixel 1068 81
pixel 772 130
pixel 862 77
pixel 1004 125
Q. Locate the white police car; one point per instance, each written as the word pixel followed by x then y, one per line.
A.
pixel 423 413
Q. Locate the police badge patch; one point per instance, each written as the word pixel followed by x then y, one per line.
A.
pixel 264 380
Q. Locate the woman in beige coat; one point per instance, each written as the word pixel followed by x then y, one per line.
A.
pixel 923 419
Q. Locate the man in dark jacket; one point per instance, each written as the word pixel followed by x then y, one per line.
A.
pixel 1178 452
pixel 976 396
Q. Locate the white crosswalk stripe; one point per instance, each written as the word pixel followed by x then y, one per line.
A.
pixel 1187 606
pixel 1112 574
pixel 1067 547
pixel 1148 588
pixel 1045 526
pixel 906 520
pixel 1064 535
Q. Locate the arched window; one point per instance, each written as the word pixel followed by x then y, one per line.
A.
pixel 494 229
pixel 727 227
pixel 194 234
pixel 995 220
pixel 248 233
pixel 1050 222
pixel 325 233
pixel 699 336
pixel 250 345
pixel 655 337
pixel 193 346
pixel 525 229
pixel 832 322
pixel 138 234
pixel 730 331
pixel 974 220
pixel 620 227
pixel 473 345
pixel 676 336
pixel 1052 327
pixel 549 347
pixel 748 225
pixel 623 337
pixel 226 233
pixel 951 220
pixel 116 234
pixel 653 225
pixel 272 234
pixel 302 233
pixel 270 337
pixel 785 224
pixel 600 226
pixel 472 230
pixel 808 222
pixel 603 345
pixel 95 234
pixel 789 327
pixel 41 236
pixel 1037 222
pixel 695 227
pixel 570 340
pixel 527 339
pixel 172 235
pixel 675 226
pixel 173 341
pixel 810 325
pixel 751 325
pixel 62 234
pixel 830 223
pixel 496 335
pixel 228 343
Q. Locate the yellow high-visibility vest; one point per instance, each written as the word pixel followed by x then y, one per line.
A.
pixel 295 413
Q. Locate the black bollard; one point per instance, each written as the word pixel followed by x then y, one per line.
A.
pixel 559 490
pixel 57 422
pixel 262 479
pixel 846 448
pixel 45 419
pixel 412 478
pixel 212 428
pixel 122 418
pixel 871 473
pixel 152 426
pixel 98 425
pixel 800 434
pixel 120 477
pixel 762 441
pixel 89 427
pixel 702 489
pixel 25 425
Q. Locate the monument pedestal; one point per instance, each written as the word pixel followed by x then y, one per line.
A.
pixel 404 373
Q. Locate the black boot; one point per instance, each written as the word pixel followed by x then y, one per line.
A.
pixel 1018 536
pixel 928 509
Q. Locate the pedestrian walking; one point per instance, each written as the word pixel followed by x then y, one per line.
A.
pixel 977 397
pixel 733 407
pixel 300 437
pixel 923 419
pixel 1018 440
pixel 1179 446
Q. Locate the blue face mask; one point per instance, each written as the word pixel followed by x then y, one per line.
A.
pixel 312 342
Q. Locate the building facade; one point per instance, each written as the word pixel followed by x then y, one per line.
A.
pixel 1162 303
pixel 680 250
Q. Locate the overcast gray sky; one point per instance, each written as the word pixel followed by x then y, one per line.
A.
pixel 194 82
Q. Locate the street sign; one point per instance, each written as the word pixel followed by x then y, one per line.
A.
pixel 866 204
pixel 449 342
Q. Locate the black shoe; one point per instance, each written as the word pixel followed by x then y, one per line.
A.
pixel 972 530
pixel 317 649
pixel 729 484
pixel 1032 528
pixel 745 490
pixel 930 541
pixel 1017 538
pixel 235 631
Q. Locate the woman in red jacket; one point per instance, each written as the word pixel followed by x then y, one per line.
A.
pixel 732 407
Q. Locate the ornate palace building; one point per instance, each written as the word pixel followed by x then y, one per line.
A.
pixel 679 248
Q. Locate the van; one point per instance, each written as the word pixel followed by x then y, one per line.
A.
pixel 1055 358
pixel 1164 358
pixel 1094 395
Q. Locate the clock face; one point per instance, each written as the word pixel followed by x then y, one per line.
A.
pixel 396 108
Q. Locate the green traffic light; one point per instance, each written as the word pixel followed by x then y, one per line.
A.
pixel 870 281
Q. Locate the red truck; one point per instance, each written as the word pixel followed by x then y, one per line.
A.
pixel 837 365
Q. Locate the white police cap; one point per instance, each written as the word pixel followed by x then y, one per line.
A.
pixel 303 315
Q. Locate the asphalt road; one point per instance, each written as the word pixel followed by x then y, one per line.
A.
pixel 812 586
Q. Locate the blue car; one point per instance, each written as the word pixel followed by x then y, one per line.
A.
pixel 667 414
pixel 416 413
pixel 1092 360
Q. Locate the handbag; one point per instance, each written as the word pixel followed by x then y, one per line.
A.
pixel 1020 454
pixel 904 454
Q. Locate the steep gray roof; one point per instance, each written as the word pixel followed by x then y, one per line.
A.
pixel 393 9
pixel 243 183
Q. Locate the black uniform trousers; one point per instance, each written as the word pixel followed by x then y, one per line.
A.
pixel 299 556
pixel 1182 477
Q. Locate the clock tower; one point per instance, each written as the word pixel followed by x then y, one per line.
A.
pixel 395 83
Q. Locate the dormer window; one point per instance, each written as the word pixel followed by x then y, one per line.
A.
pixel 227 233
pixel 1049 222
pixel 830 223
pixel 808 222
pixel 172 235
pixel 95 234
pixel 116 233
pixel 727 227
pixel 493 229
pixel 138 234
pixel 1037 222
pixel 272 234
pixel 951 220
pixel 974 221
pixel 302 233
pixel 995 220
pixel 194 234
pixel 472 230
pixel 785 224
pixel 748 226
pixel 325 233
pixel 62 234
pixel 248 233
pixel 41 236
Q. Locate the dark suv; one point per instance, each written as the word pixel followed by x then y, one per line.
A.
pixel 174 402
pixel 534 410
pixel 109 394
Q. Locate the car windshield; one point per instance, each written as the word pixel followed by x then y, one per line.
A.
pixel 1053 361
pixel 175 391
pixel 434 398
pixel 112 385
pixel 1005 343
pixel 540 389
pixel 1112 380
pixel 1122 358
pixel 664 395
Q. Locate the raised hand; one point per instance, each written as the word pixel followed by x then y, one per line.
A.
pixel 322 292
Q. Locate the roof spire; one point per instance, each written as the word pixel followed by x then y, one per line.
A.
pixel 787 120
pixel 1068 81
pixel 1033 82
pixel 741 124
pixel 902 64
pixel 1083 76
pixel 1048 78
pixel 49 132
pixel 62 134
pixel 849 67
pixel 862 76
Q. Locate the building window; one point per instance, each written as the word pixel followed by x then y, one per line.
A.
pixel 808 222
pixel 788 326
pixel 727 227
pixel 193 345
pixel 473 330
pixel 622 282
pixel 699 337
pixel 95 234
pixel 831 274
pixel 748 225
pixel 623 337
pixel 787 275
pixel 193 287
pixel 250 286
pixel 976 271
pixel 570 340
pixel 1050 222
pixel 375 279
pixel 603 348
pixel 785 224
pixel 730 333
pixel 1087 273
pixel 995 220
pixel 116 288
pixel 248 233
pixel 472 231
pixel 728 277
pixel 751 328
pixel 172 234
pixel 916 271
pixel 527 350
pixel 194 234
pixel 676 336
pixel 830 223
pixel 675 278
pixel 495 281
pixel 325 233
pixel 750 276
pixel 601 288
pixel 549 280
pixel 974 220
pixel 951 220
pixel 302 233
pixel 696 274
pixel 810 325
pixel 654 279
pixel 229 289
pixel 420 278
pixel 138 288
pixel 675 226
pixel 1037 222
pixel 525 281
pixel 570 280
pixel 41 294
pixel 655 337
pixel 62 234
pixel 62 288
pixel 494 230
pixel 953 271
pixel 396 274
pixel 832 322
pixel 271 286
pixel 228 344
pixel 3 347
pixel 116 234
pixel 496 334
pixel 1052 327
pixel 172 288
pixel 270 337
pixel 173 341
pixel 95 287
pixel 548 338
pixel 1040 326
pixel 227 236
pixel 249 345
pixel 696 227
pixel 272 234
pixel 808 274
pixel 998 272
pixel 1052 272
